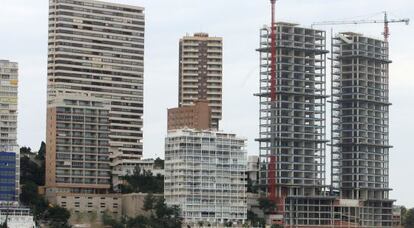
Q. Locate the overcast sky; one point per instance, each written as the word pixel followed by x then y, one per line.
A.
pixel 23 26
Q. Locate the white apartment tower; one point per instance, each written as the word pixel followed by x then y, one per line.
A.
pixel 9 150
pixel 8 103
pixel 97 48
pixel 205 175
pixel 201 73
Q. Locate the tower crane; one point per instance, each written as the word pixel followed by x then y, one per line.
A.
pixel 386 22
pixel 276 193
pixel 273 68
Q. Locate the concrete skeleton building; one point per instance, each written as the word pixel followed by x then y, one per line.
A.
pixel 205 176
pixel 197 116
pixel 293 136
pixel 97 48
pixel 360 126
pixel 9 150
pixel 292 128
pixel 201 73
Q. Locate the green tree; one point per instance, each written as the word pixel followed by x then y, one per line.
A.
pixel 29 194
pixel 162 215
pixel 228 224
pixel 137 222
pixel 32 199
pixel 25 150
pixel 149 202
pixel 254 219
pixel 31 172
pixel 276 226
pixel 57 217
pixel 251 187
pixel 110 221
pixel 42 152
pixel 161 209
pixel 403 212
pixel 4 225
pixel 143 181
pixel 409 218
pixel 159 163
pixel 267 205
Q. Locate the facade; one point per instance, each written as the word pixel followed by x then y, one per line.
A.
pixel 201 73
pixel 8 103
pixel 87 208
pixel 10 175
pixel 97 48
pixel 77 151
pixel 197 116
pixel 133 204
pixel 17 217
pixel 292 127
pixel 9 151
pixel 205 176
pixel 360 125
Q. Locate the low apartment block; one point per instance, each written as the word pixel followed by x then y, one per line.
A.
pixel 197 116
pixel 205 175
pixel 77 155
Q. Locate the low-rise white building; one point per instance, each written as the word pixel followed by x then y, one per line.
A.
pixel 17 217
pixel 205 175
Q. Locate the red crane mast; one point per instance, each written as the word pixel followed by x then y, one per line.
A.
pixel 272 163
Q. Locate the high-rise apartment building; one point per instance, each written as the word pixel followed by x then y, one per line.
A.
pixel 97 48
pixel 9 151
pixel 8 103
pixel 78 144
pixel 360 126
pixel 197 116
pixel 201 73
pixel 205 175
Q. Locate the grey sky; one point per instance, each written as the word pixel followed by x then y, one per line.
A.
pixel 23 26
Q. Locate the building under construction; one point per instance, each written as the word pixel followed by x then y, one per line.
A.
pixel 293 128
pixel 360 126
pixel 292 124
